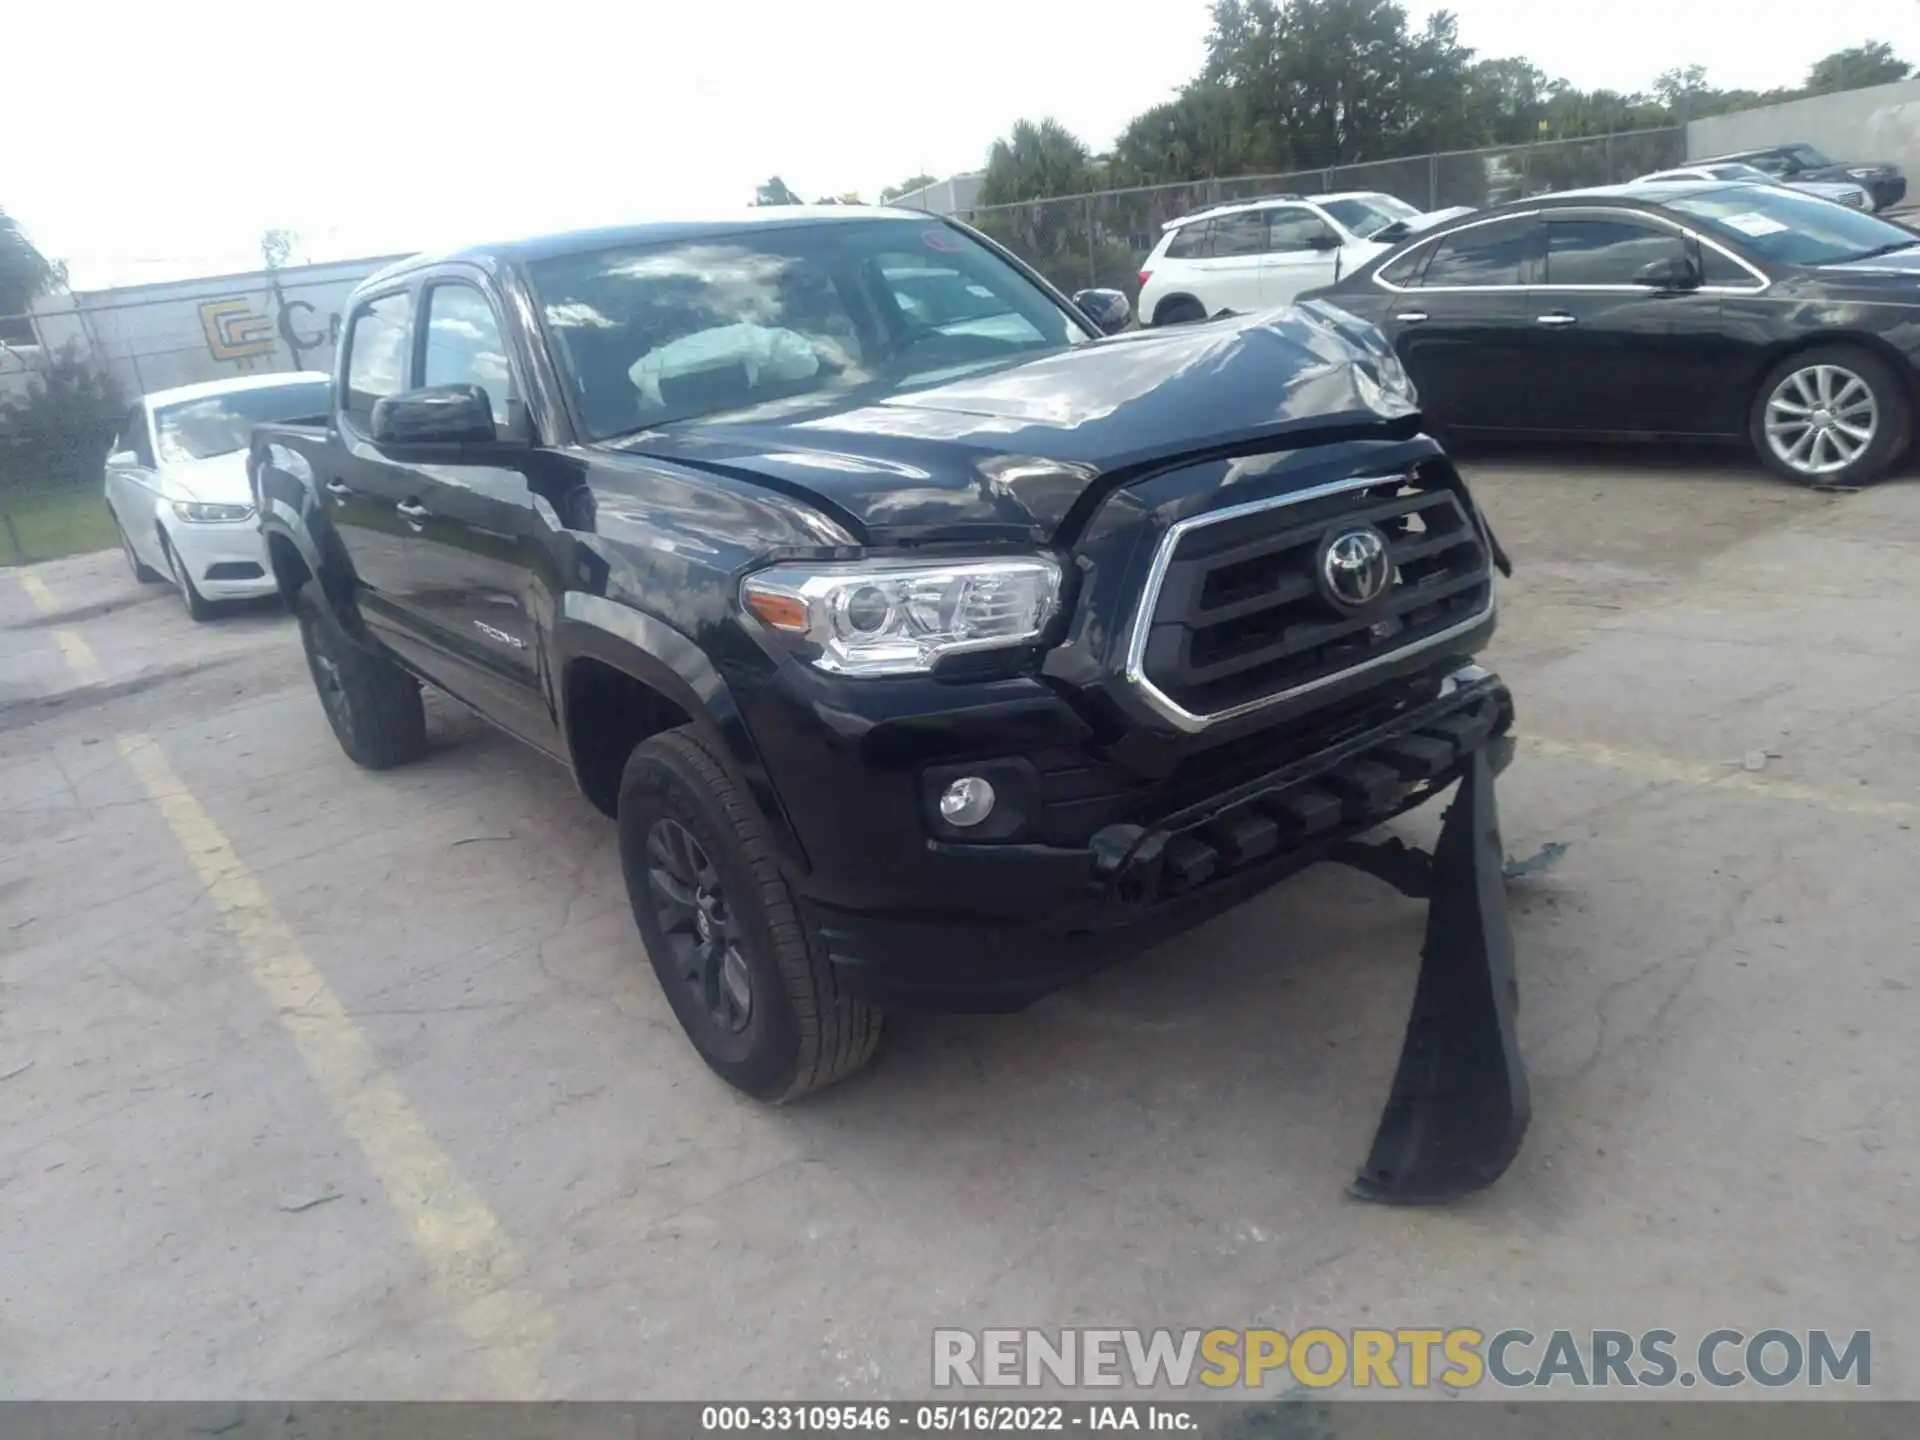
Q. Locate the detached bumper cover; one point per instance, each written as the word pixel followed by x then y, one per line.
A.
pixel 1460 1102
pixel 1138 884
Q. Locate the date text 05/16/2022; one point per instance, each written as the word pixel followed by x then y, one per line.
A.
pixel 910 1419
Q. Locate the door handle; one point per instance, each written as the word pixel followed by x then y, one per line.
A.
pixel 413 510
pixel 1411 317
pixel 339 489
pixel 1557 317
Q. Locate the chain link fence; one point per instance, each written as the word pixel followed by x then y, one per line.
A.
pixel 1102 238
pixel 58 415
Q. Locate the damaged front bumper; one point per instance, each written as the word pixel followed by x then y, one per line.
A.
pixel 1459 1104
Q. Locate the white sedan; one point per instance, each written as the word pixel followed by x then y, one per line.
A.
pixel 176 483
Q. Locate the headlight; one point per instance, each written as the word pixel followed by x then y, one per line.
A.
pixel 196 513
pixel 1393 375
pixel 890 617
pixel 1864 172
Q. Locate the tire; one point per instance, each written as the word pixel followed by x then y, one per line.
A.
pixel 199 609
pixel 793 1026
pixel 372 704
pixel 1179 310
pixel 142 572
pixel 1869 414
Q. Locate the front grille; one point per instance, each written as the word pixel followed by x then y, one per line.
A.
pixel 1243 613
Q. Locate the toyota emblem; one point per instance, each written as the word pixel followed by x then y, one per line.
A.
pixel 1355 567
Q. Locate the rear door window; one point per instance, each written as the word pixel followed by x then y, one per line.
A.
pixel 1404 270
pixel 1481 255
pixel 1242 234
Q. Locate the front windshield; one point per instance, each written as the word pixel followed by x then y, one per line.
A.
pixel 221 424
pixel 649 335
pixel 1739 172
pixel 1792 228
pixel 1364 214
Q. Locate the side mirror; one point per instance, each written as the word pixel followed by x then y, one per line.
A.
pixel 1109 310
pixel 1676 272
pixel 436 415
pixel 122 460
pixel 1323 240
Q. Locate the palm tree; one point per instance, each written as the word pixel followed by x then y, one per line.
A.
pixel 1035 161
pixel 24 271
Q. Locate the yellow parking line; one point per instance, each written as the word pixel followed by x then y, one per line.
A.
pixel 73 645
pixel 1692 772
pixel 471 1256
pixel 80 657
pixel 37 591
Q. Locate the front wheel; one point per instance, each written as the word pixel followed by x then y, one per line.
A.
pixel 372 704
pixel 142 571
pixel 744 970
pixel 199 608
pixel 1833 416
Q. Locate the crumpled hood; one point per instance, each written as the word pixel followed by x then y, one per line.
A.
pixel 1005 452
pixel 219 480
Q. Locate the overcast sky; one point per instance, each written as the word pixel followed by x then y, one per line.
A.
pixel 148 141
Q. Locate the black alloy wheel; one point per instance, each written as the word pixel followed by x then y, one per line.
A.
pixel 690 906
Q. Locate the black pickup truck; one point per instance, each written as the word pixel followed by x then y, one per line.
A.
pixel 930 636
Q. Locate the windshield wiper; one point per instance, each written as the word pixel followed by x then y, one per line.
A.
pixel 1878 251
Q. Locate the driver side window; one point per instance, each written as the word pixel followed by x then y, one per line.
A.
pixel 133 436
pixel 379 362
pixel 1291 231
pixel 464 346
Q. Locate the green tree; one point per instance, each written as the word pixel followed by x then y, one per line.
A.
pixel 24 271
pixel 1339 81
pixel 775 192
pixel 1035 161
pixel 276 247
pixel 907 186
pixel 1209 131
pixel 1856 67
pixel 1506 100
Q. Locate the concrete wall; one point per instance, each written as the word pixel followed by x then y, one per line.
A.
pixel 1880 123
pixel 952 196
pixel 152 337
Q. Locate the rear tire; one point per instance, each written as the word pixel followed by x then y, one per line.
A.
pixel 1835 415
pixel 746 973
pixel 199 609
pixel 1179 310
pixel 372 704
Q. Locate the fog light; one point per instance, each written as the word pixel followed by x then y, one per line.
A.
pixel 966 802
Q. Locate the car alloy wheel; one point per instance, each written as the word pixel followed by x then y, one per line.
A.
pixel 1821 419
pixel 690 905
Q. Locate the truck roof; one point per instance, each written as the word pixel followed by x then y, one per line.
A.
pixel 654 232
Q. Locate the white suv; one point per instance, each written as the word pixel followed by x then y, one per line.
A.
pixel 1256 254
